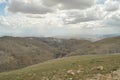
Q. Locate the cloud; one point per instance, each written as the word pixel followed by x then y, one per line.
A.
pixel 51 26
pixel 2 1
pixel 112 5
pixel 91 14
pixel 3 21
pixel 20 25
pixel 113 19
pixel 60 18
pixel 46 6
pixel 70 4
pixel 28 6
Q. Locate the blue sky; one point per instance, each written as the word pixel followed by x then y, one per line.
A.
pixel 101 1
pixel 2 7
pixel 59 17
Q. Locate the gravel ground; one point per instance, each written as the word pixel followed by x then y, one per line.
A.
pixel 115 75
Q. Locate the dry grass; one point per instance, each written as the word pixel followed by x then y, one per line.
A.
pixel 69 68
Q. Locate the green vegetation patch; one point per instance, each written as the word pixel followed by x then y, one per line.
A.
pixel 69 68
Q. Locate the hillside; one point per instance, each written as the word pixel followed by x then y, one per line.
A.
pixel 66 46
pixel 16 52
pixel 90 67
pixel 104 46
pixel 71 47
pixel 19 52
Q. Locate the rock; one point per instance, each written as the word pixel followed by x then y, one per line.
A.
pixel 98 68
pixel 79 71
pixel 109 77
pixel 71 72
pixel 116 75
pixel 70 78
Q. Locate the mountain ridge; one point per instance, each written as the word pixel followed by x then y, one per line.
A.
pixel 19 52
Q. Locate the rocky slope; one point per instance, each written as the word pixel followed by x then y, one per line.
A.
pixel 16 52
pixel 19 52
pixel 89 67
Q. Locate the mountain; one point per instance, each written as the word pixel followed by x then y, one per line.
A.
pixel 16 52
pixel 88 67
pixel 104 46
pixel 19 52
pixel 71 47
pixel 65 46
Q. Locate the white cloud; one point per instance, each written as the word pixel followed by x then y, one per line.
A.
pixel 28 6
pixel 24 26
pixel 70 4
pixel 60 18
pixel 111 5
pixel 91 14
pixel 113 19
pixel 51 25
pixel 45 6
pixel 2 1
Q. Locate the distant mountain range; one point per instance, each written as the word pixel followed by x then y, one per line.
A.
pixel 19 52
pixel 93 37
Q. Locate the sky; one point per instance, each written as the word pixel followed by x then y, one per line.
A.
pixel 51 18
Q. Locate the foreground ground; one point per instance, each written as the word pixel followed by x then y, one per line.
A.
pixel 90 67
